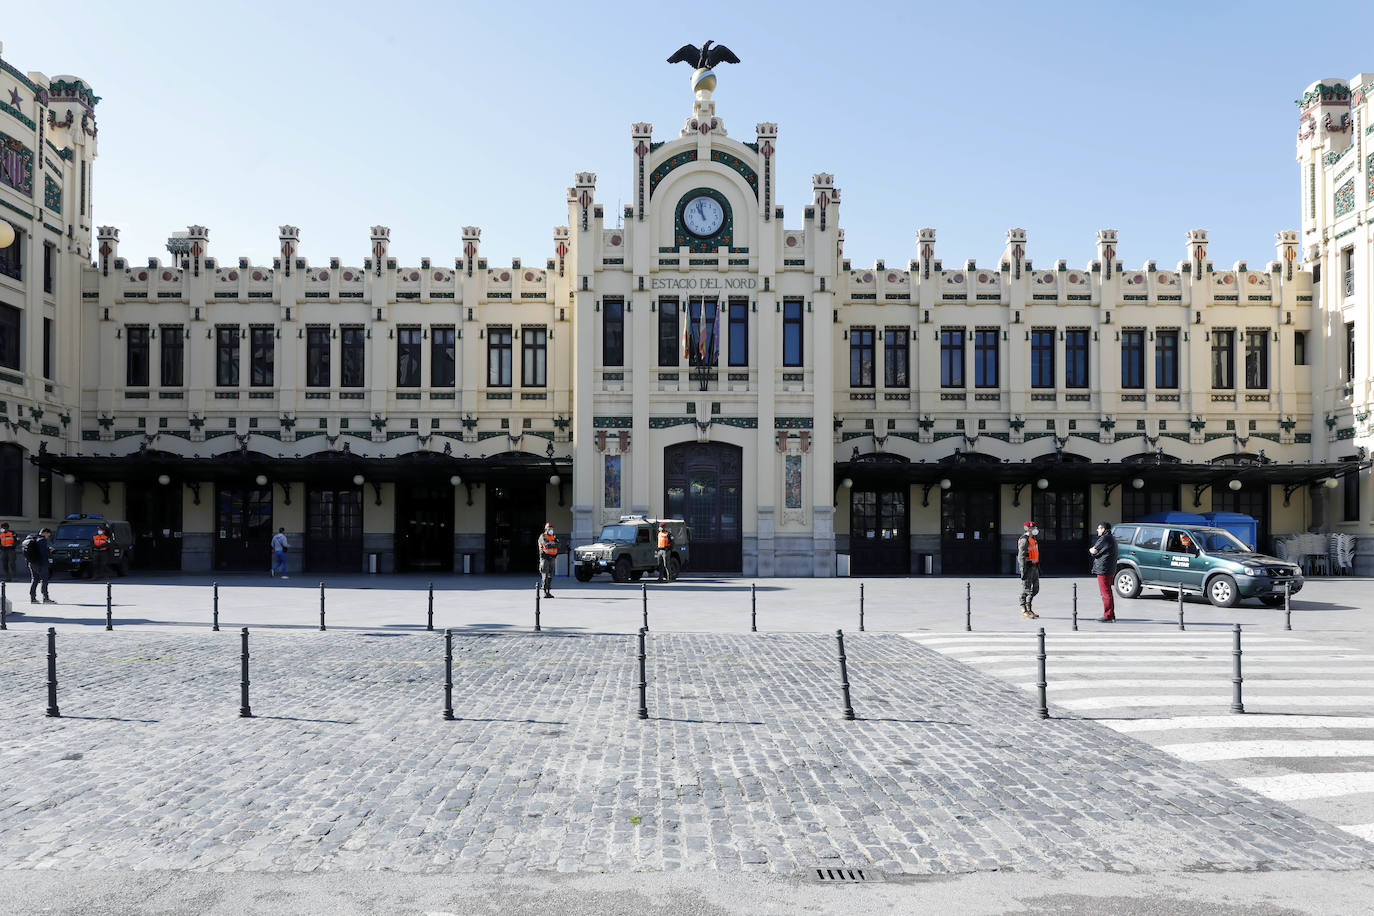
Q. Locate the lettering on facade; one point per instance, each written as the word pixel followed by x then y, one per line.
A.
pixel 705 283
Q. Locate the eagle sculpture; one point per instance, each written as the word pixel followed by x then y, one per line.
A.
pixel 705 57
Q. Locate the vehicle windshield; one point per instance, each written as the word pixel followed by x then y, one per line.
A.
pixel 618 533
pixel 1215 540
pixel 75 532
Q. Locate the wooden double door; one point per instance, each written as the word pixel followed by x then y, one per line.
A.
pixel 704 485
pixel 879 532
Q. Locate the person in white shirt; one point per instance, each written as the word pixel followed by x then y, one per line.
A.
pixel 279 554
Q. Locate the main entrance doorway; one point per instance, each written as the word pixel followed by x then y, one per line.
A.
pixel 155 516
pixel 515 519
pixel 334 529
pixel 243 528
pixel 424 527
pixel 878 529
pixel 970 519
pixel 703 485
pixel 1062 514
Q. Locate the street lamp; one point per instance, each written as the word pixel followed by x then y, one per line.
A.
pixel 945 483
pixel 260 480
pixel 554 480
pixel 6 234
pixel 69 479
pixel 1137 483
pixel 847 482
pixel 1234 485
pixel 358 480
pixel 1042 484
pixel 1331 483
pixel 163 479
pixel 455 480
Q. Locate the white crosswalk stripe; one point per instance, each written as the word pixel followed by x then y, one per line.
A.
pixel 1310 704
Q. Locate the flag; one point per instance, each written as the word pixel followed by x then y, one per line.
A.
pixel 715 338
pixel 687 338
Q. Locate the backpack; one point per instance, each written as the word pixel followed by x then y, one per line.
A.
pixel 30 549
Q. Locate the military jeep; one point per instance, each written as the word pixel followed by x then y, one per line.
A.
pixel 628 549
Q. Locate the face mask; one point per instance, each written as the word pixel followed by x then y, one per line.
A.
pixel 1035 532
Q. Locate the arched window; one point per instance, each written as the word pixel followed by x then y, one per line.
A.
pixel 11 480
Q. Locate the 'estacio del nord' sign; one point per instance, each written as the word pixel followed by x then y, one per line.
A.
pixel 705 283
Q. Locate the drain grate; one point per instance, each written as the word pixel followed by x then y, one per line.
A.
pixel 841 875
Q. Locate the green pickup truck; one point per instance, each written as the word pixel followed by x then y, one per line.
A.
pixel 1199 559
pixel 628 549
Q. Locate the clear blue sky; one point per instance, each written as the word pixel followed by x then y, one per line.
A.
pixel 1150 118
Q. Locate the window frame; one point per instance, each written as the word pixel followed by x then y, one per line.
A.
pixel 1349 352
pixel 669 326
pixel 171 355
pixel 262 369
pixel 1133 359
pixel 11 337
pixel 1167 358
pixel 987 358
pixel 318 356
pixel 443 355
pixel 613 331
pixel 227 354
pixel 1223 359
pixel 500 351
pixel 1300 348
pixel 409 344
pixel 897 357
pixel 952 358
pixel 1042 361
pixel 1257 358
pixel 352 342
pixel 138 354
pixel 737 350
pixel 793 334
pixel 861 344
pixel 534 356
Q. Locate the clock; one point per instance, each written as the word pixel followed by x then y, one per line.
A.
pixel 703 216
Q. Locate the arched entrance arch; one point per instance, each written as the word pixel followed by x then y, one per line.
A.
pixel 703 483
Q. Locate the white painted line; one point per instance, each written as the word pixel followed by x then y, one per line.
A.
pixel 1222 698
pixel 1202 751
pixel 1180 723
pixel 1183 666
pixel 1363 831
pixel 1100 639
pixel 1261 685
pixel 1062 647
pixel 1304 786
pixel 1213 657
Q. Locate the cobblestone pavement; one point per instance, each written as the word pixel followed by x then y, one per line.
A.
pixel 745 763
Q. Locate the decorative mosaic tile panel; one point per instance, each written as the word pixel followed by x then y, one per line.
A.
pixel 1345 198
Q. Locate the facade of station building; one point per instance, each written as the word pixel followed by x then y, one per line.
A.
pixel 701 354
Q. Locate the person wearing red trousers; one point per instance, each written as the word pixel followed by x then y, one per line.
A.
pixel 1103 552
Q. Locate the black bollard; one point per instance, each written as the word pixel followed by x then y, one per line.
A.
pixel 1075 605
pixel 538 593
pixel 1236 705
pixel 52 674
pixel 321 607
pixel 861 607
pixel 448 675
pixel 1043 710
pixel 1287 609
pixel 109 606
pixel 215 611
pixel 844 677
pixel 753 609
pixel 430 626
pixel 644 593
pixel 968 607
pixel 643 680
pixel 3 603
pixel 1180 606
pixel 245 711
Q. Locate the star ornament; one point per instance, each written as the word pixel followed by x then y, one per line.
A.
pixel 15 100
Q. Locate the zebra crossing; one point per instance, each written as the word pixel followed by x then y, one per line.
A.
pixel 1306 738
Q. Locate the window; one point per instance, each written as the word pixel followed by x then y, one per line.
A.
pixel 443 358
pixel 951 357
pixel 499 357
pixel 985 358
pixel 136 357
pixel 1300 348
pixel 792 332
pixel 1042 358
pixel 896 357
pixel 11 480
pixel 317 356
pixel 12 258
pixel 1224 359
pixel 9 337
pixel 1348 271
pixel 1257 359
pixel 171 361
pixel 667 332
pixel 1150 538
pixel 613 332
pixel 1076 358
pixel 534 357
pixel 263 356
pixel 1133 359
pixel 1349 351
pixel 1148 500
pixel 860 357
pixel 49 268
pixel 227 356
pixel 1351 494
pixel 408 357
pixel 1166 359
pixel 739 332
pixel 703 329
pixel 49 345
pixel 352 358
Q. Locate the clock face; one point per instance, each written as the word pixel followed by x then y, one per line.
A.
pixel 703 216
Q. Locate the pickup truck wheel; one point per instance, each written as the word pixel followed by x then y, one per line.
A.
pixel 621 571
pixel 674 568
pixel 1127 582
pixel 1222 591
pixel 583 574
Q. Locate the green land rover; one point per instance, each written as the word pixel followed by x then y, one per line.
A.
pixel 1199 559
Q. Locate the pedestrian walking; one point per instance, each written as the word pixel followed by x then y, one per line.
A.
pixel 1028 567
pixel 548 549
pixel 39 557
pixel 279 547
pixel 1103 553
pixel 100 551
pixel 665 544
pixel 9 546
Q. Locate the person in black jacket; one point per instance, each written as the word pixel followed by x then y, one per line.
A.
pixel 1103 552
pixel 39 558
